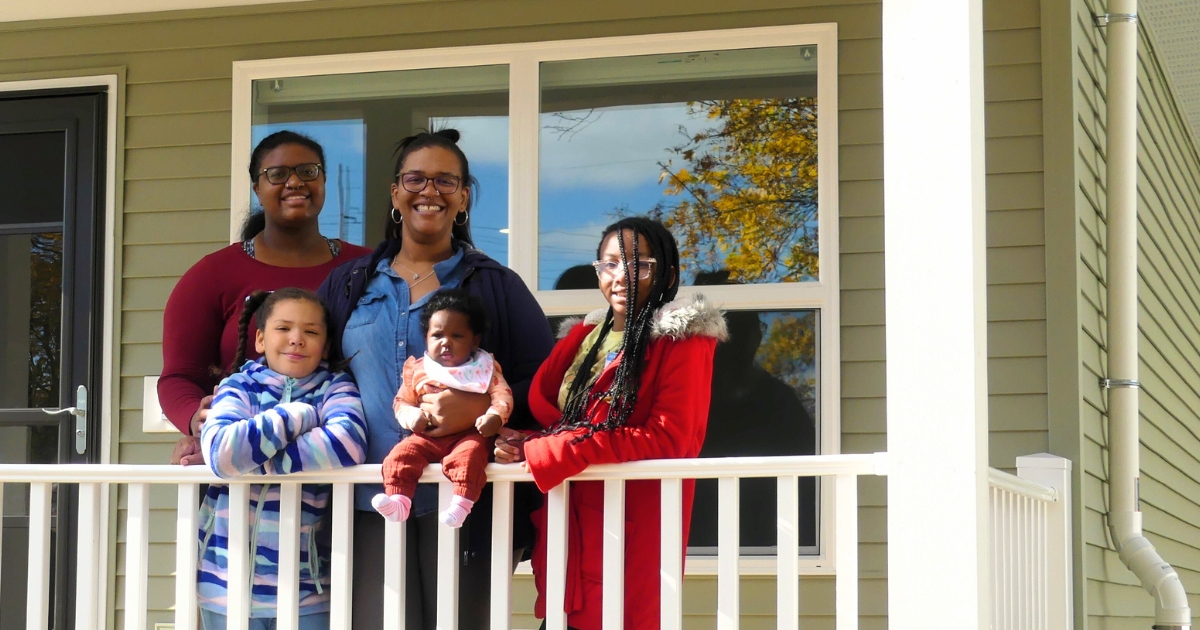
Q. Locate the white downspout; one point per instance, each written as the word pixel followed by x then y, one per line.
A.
pixel 1171 610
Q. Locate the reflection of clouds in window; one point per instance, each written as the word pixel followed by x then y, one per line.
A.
pixel 610 147
pixel 562 248
pixel 484 138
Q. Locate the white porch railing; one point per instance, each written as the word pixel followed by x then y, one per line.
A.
pixel 1031 545
pixel 93 480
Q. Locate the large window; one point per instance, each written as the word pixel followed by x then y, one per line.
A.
pixel 728 137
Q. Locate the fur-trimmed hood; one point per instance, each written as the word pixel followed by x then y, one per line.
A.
pixel 684 317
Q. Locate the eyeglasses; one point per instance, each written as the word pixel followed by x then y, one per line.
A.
pixel 444 184
pixel 614 267
pixel 280 174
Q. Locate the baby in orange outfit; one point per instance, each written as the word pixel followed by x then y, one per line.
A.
pixel 454 323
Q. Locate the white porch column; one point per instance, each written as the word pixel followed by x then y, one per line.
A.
pixel 934 255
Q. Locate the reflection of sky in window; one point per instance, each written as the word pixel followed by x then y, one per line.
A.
pixel 485 143
pixel 606 164
pixel 345 167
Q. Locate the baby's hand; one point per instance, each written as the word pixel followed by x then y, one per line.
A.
pixel 488 424
pixel 422 423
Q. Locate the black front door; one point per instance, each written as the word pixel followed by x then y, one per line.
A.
pixel 51 237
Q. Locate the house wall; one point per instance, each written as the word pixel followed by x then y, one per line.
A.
pixel 176 195
pixel 1168 322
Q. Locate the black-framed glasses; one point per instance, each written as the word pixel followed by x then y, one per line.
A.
pixel 280 174
pixel 416 182
pixel 644 266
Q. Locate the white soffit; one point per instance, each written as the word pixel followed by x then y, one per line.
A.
pixel 21 10
pixel 1174 26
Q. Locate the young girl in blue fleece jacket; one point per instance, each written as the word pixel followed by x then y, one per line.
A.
pixel 284 413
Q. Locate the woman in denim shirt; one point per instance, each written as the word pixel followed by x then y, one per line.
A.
pixel 375 303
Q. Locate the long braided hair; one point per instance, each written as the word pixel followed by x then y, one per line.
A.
pixel 639 322
pixel 259 305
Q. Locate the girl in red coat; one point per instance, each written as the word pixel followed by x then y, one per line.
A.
pixel 629 382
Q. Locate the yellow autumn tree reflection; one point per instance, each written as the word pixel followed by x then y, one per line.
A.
pixel 747 190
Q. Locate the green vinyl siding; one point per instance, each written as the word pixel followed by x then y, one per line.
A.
pixel 1168 323
pixel 175 196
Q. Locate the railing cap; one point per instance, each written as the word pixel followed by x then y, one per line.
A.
pixel 1043 461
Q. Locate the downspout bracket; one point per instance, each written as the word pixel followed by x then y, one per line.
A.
pixel 1110 383
pixel 1104 20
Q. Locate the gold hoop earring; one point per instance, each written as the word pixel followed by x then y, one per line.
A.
pixel 393 214
pixel 466 217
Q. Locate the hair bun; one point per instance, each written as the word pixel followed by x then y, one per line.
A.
pixel 450 134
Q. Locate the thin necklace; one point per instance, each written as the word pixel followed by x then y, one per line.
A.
pixel 416 277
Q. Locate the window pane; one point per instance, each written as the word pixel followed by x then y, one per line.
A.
pixel 719 145
pixel 31 175
pixel 359 118
pixel 764 402
pixel 30 319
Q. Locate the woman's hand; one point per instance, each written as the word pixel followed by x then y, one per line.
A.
pixel 187 449
pixel 510 446
pixel 452 411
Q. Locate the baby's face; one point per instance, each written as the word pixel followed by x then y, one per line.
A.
pixel 450 340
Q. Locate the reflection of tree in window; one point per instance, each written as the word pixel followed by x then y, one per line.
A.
pixel 747 190
pixel 45 317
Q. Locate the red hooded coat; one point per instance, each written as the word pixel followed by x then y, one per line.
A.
pixel 668 422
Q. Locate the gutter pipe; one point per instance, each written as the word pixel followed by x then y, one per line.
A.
pixel 1171 611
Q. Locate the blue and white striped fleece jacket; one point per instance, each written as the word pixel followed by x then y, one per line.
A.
pixel 265 423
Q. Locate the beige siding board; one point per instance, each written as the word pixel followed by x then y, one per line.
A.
pixel 862 271
pixel 177 162
pixel 1004 447
pixel 860 91
pixel 1013 118
pixel 187 97
pixel 147 293
pixel 861 162
pixel 1013 47
pixel 863 379
pixel 862 307
pixel 1024 375
pixel 861 126
pixel 157 261
pixel 859 56
pixel 1017 154
pixel 1013 339
pixel 863 415
pixel 158 228
pixel 143 359
pixel 1015 191
pixel 1010 228
pixel 1016 302
pixel 861 236
pixel 1011 15
pixel 171 195
pixel 1016 412
pixel 1012 83
pixel 862 343
pixel 141 327
pixel 1016 265
pixel 860 199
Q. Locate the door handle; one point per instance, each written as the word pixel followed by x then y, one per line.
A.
pixel 80 413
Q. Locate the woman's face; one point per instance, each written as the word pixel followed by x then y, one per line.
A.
pixel 428 214
pixel 294 203
pixel 612 282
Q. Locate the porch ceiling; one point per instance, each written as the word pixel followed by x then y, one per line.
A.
pixel 1174 26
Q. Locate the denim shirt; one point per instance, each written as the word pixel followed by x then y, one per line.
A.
pixel 383 331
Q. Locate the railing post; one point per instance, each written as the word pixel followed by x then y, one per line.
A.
pixel 186 526
pixel 1055 472
pixel 87 582
pixel 37 598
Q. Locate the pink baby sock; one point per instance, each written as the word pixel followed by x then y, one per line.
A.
pixel 393 508
pixel 459 508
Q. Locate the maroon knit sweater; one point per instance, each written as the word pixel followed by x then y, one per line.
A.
pixel 200 321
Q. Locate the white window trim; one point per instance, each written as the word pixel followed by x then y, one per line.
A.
pixel 523 61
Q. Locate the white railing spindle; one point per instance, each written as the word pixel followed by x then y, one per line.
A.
pixel 87 550
pixel 238 557
pixel 186 555
pixel 846 552
pixel 614 554
pixel 288 612
pixel 788 550
pixel 502 551
pixel 37 598
pixel 671 555
pixel 728 553
pixel 137 547
pixel 447 573
pixel 395 577
pixel 556 556
pixel 341 561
